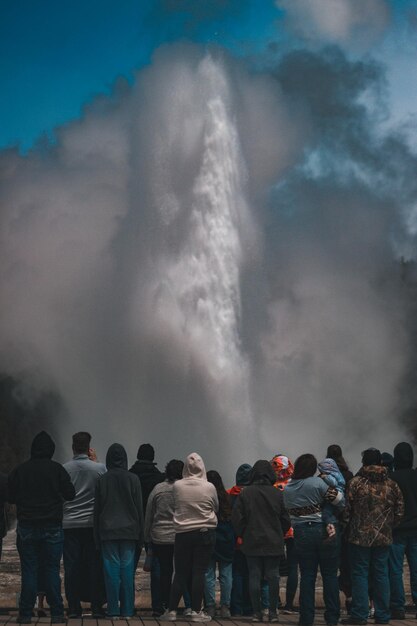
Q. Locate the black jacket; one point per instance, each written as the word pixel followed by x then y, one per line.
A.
pixel 118 512
pixel 406 478
pixel 259 515
pixel 3 500
pixel 149 476
pixel 39 486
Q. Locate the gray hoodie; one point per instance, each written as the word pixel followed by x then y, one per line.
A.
pixel 195 499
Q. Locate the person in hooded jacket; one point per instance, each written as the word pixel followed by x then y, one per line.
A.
pixel 261 520
pixel 195 520
pixel 405 534
pixel 374 507
pixel 149 476
pixel 38 487
pixel 118 530
pixel 239 599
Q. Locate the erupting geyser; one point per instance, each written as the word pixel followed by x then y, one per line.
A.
pixel 187 266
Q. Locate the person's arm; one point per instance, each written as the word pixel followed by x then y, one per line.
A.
pixel 66 488
pixel 239 521
pixel 12 487
pixel 3 488
pixel 149 515
pixel 137 494
pixel 398 505
pixel 284 519
pixel 96 515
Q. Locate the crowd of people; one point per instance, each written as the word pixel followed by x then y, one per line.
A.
pixel 280 520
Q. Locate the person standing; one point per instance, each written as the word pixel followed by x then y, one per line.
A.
pixel 405 534
pixel 222 554
pixel 316 545
pixel 159 526
pixel 149 476
pixel 261 520
pixel 118 530
pixel 195 521
pixel 82 562
pixel 38 488
pixel 375 506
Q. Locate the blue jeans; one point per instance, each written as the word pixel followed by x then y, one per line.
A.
pixel 225 577
pixel 314 549
pixel 370 566
pixel 37 544
pixel 119 571
pixel 402 546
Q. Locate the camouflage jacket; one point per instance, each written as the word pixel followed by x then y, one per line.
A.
pixel 375 506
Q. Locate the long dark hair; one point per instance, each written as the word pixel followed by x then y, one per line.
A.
pixel 305 466
pixel 225 510
pixel 335 452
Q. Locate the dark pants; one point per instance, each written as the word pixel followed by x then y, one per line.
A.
pixel 370 565
pixel 38 544
pixel 192 554
pixel 240 599
pixel 402 546
pixel 83 570
pixel 164 552
pixel 292 566
pixel 263 568
pixel 314 549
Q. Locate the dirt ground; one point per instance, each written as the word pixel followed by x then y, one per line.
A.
pixel 10 579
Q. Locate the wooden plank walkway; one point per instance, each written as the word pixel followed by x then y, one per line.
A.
pixel 145 620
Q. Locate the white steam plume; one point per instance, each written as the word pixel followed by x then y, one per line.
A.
pixel 152 282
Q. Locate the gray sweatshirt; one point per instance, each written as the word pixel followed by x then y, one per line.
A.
pixel 195 499
pixel 159 522
pixel 84 474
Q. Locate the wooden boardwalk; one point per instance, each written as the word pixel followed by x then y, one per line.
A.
pixel 139 620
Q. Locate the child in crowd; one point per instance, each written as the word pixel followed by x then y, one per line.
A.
pixel 332 476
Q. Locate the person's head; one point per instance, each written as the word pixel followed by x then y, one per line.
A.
pixel 116 457
pixel 81 442
pixel 371 456
pixel 173 470
pixel 225 510
pixel 403 456
pixel 146 452
pixel 282 467
pixel 305 466
pixel 387 460
pixel 194 467
pixel 263 473
pixel 43 446
pixel 243 475
pixel 334 451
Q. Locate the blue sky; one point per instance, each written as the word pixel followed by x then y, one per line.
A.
pixel 57 55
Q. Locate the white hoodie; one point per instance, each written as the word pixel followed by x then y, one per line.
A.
pixel 195 499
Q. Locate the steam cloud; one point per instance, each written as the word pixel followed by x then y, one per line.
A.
pixel 209 261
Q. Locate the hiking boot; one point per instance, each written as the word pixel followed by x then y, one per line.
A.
pixel 224 612
pixel 273 617
pixel 211 610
